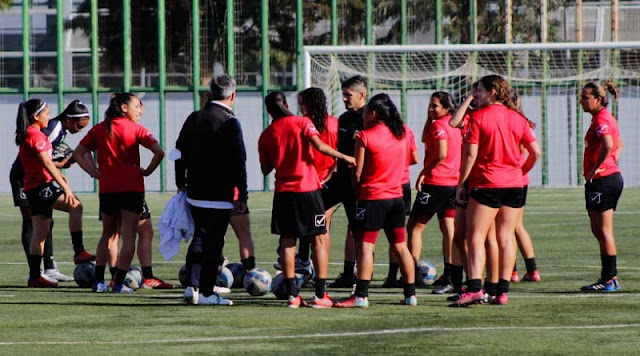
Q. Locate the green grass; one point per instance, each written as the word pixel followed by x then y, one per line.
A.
pixel 547 318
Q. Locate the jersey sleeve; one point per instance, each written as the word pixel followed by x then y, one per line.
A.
pixel 145 137
pixel 472 135
pixel 89 141
pixel 411 140
pixel 40 143
pixel 601 126
pixel 437 132
pixel 309 130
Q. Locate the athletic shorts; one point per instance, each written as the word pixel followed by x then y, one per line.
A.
pixel 406 197
pixel 112 203
pixel 339 190
pixel 298 214
pixel 603 193
pixel 525 190
pixel 465 201
pixel 16 178
pixel 433 199
pixel 497 197
pixel 373 215
pixel 146 213
pixel 41 198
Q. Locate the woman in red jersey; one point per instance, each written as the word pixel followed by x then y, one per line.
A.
pixel 491 162
pixel 286 147
pixel 45 188
pixel 603 181
pixel 437 181
pixel 117 140
pixel 378 178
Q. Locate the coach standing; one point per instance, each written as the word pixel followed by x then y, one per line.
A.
pixel 212 163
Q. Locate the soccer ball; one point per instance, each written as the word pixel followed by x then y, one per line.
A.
pixel 238 271
pixel 84 274
pixel 182 276
pixel 279 285
pixel 426 273
pixel 133 279
pixel 225 278
pixel 257 282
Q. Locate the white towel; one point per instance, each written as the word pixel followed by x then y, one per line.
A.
pixel 175 225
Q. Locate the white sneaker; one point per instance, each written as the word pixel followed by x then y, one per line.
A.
pixel 191 296
pixel 214 299
pixel 221 290
pixel 48 278
pixel 52 273
pixel 304 267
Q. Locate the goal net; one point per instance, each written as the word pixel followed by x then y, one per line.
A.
pixel 548 78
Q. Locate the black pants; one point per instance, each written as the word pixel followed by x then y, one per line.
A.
pixel 203 257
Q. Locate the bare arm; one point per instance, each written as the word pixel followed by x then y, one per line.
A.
pixel 441 154
pixel 534 155
pixel 605 151
pixel 359 157
pixel 46 161
pixel 327 150
pixel 82 156
pixel 469 155
pixel 457 117
pixel 619 149
pixel 158 155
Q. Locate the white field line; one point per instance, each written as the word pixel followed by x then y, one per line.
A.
pixel 327 335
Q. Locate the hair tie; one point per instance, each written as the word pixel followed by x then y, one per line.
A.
pixel 44 104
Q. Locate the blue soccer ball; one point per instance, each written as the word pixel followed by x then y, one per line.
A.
pixel 257 282
pixel 426 273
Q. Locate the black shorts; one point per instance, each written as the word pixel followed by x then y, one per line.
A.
pixel 406 197
pixel 433 199
pixel 497 197
pixel 16 178
pixel 525 190
pixel 112 203
pixel 373 215
pixel 339 190
pixel 603 193
pixel 298 214
pixel 146 213
pixel 41 198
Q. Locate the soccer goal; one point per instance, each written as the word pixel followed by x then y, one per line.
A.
pixel 548 78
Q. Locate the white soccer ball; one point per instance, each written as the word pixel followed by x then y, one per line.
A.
pixel 426 273
pixel 257 282
pixel 225 278
pixel 133 279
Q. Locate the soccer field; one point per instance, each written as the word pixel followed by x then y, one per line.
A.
pixel 547 318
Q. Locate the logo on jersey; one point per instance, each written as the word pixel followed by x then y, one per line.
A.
pixel 360 213
pixel 423 198
pixel 41 145
pixel 595 197
pixel 438 133
pixel 312 128
pixel 320 220
pixel 602 130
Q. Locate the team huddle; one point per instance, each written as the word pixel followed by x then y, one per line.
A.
pixel 474 179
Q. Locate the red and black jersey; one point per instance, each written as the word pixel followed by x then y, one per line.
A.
pixel 329 135
pixel 447 172
pixel 602 124
pixel 34 172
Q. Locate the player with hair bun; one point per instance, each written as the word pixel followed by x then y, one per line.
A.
pixel 603 180
pixel 45 189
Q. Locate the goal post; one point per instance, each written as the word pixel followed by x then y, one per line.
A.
pixel 410 73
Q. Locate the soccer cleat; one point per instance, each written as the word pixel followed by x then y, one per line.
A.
pixel 221 290
pixel 343 281
pixel 304 267
pixel 411 301
pixel 442 281
pixel 514 277
pixel 532 276
pixel 353 302
pixel 52 273
pixel 82 257
pixel 453 298
pixel 191 295
pixel 42 282
pixel 296 302
pixel 611 285
pixel 156 283
pixel 99 287
pixel 469 298
pixel 444 289
pixel 324 302
pixel 392 284
pixel 214 299
pixel 121 288
pixel 501 299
